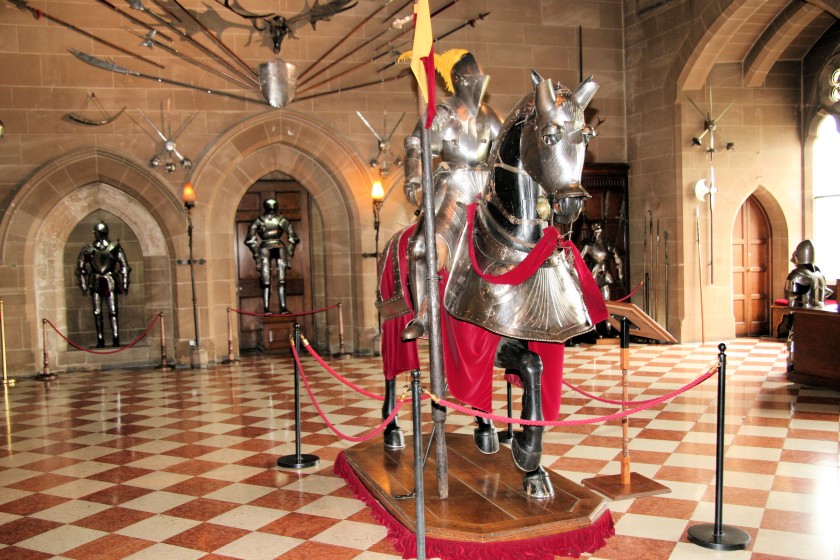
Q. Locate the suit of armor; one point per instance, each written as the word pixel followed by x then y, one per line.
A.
pixel 597 252
pixel 102 271
pixel 804 287
pixel 270 251
pixel 461 134
pixel 805 284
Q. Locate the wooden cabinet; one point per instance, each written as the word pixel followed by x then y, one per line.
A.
pixel 607 184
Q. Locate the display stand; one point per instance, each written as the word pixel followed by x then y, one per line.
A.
pixel 718 536
pixel 626 317
pixel 297 461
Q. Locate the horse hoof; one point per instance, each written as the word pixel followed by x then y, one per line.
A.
pixel 413 330
pixel 525 455
pixel 394 439
pixel 537 484
pixel 486 439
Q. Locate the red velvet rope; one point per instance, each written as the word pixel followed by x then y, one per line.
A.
pixel 242 312
pixel 636 289
pixel 630 411
pixel 372 434
pixel 120 349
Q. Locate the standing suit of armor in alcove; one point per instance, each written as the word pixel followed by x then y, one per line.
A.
pixel 102 271
pixel 270 251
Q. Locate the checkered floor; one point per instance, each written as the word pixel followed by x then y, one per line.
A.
pixel 181 465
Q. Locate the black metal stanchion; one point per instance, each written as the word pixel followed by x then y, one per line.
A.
pixel 419 494
pixel 717 535
pixel 297 461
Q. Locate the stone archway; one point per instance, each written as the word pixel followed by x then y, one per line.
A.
pixel 336 178
pixel 40 218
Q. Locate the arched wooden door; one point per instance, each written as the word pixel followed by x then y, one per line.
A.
pixel 751 270
pixel 294 204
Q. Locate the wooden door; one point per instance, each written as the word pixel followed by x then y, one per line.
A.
pixel 293 201
pixel 751 270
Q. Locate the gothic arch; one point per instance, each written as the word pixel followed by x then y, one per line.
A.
pixel 316 157
pixel 33 234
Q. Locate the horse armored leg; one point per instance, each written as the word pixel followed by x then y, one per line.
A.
pixel 394 438
pixel 527 444
pixel 486 438
pixel 537 484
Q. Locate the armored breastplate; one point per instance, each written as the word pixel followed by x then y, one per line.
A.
pixel 466 139
pixel 548 306
pixel 104 259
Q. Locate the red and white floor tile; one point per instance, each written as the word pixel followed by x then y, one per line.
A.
pixel 181 465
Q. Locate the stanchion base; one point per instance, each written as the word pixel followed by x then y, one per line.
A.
pixel 164 367
pixel 611 486
pixel 46 377
pixel 227 361
pixel 342 355
pixel 298 462
pixel 729 538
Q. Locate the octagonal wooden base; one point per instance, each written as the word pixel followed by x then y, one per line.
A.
pixel 487 513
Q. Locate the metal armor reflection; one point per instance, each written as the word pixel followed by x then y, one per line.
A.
pixel 270 252
pixel 102 271
pixel 461 134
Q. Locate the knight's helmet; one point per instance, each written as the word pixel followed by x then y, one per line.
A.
pixel 270 205
pixel 100 231
pixel 463 77
pixel 804 253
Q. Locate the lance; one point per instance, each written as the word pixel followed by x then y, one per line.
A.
pixel 700 276
pixel 138 5
pixel 395 12
pixel 648 242
pixel 38 14
pixel 667 283
pixel 470 22
pixel 656 275
pixel 402 74
pixel 106 65
pixel 215 38
pixel 148 39
pixel 340 41
pixel 133 19
pixel 374 58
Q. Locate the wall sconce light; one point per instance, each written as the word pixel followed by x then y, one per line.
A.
pixel 188 198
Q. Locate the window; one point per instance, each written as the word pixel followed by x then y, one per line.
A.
pixel 827 199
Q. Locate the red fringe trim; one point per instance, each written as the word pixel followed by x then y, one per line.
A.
pixel 571 543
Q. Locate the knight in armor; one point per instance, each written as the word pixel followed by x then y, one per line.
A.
pixel 270 251
pixel 804 287
pixel 597 253
pixel 805 284
pixel 102 271
pixel 461 135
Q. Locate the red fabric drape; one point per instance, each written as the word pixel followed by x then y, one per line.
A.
pixel 397 356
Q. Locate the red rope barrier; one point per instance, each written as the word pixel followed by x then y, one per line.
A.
pixel 372 434
pixel 614 416
pixel 636 289
pixel 120 349
pixel 255 314
pixel 628 403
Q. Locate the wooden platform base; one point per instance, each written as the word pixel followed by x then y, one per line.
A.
pixel 611 486
pixel 486 505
